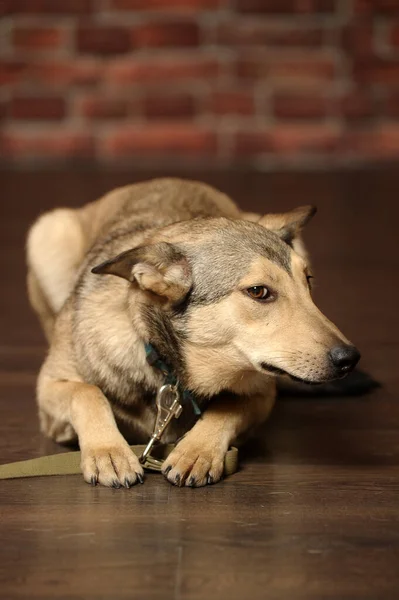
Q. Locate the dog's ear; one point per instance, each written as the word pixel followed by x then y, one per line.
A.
pixel 158 268
pixel 288 225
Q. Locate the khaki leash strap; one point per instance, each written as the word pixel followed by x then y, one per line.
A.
pixel 68 463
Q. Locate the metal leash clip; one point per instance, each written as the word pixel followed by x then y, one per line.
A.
pixel 168 406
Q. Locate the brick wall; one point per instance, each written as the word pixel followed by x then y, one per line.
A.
pixel 219 82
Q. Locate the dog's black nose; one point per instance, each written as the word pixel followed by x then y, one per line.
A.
pixel 344 358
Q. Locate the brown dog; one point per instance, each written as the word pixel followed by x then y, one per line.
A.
pixel 225 301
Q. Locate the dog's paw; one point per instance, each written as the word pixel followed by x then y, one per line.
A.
pixel 194 464
pixel 112 466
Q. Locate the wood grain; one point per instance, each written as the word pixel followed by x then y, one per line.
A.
pixel 314 511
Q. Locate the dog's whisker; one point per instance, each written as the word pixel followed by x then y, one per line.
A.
pixel 285 353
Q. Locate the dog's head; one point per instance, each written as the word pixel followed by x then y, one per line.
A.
pixel 222 298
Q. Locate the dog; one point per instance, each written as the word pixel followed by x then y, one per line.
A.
pixel 224 298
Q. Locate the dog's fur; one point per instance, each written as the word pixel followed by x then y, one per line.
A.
pixel 169 262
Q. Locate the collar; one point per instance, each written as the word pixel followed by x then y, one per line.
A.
pixel 156 361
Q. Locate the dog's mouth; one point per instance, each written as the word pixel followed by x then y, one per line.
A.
pixel 277 371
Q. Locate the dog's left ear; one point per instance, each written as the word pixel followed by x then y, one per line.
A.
pixel 158 268
pixel 288 225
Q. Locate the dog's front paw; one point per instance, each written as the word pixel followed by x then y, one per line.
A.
pixel 194 464
pixel 113 466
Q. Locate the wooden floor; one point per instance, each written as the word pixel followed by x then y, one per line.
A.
pixel 313 512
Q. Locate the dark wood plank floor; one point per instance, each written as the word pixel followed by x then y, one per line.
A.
pixel 314 511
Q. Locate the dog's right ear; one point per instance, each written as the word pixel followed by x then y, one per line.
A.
pixel 289 225
pixel 158 268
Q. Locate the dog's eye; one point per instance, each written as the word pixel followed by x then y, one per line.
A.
pixel 258 292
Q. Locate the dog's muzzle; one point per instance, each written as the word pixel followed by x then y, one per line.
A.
pixel 342 360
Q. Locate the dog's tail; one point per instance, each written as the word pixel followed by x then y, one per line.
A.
pixel 356 383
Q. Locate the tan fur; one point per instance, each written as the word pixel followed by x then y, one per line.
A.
pixel 144 243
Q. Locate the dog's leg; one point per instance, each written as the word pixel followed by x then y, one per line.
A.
pixel 58 429
pixel 106 456
pixel 198 458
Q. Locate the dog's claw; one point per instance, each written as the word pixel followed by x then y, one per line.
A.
pixel 140 477
pixel 191 482
pixel 167 470
pixel 209 479
pixel 112 466
pixel 177 479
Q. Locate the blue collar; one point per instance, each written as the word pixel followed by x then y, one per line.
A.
pixel 156 361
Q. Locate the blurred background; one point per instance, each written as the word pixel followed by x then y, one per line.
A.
pixel 220 83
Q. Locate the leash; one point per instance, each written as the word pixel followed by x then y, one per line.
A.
pixel 68 463
pixel 169 400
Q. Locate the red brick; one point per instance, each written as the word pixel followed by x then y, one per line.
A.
pixel 306 139
pixel 12 71
pixel 292 105
pixel 231 103
pixel 161 70
pixel 166 5
pixel 287 140
pixel 157 139
pixel 357 39
pixel 63 73
pixel 50 145
pixel 37 108
pixel 387 142
pixel 300 70
pixel 95 107
pixel 38 38
pixel 252 143
pixel 57 7
pixel 103 40
pixel 356 105
pixel 243 33
pixel 380 142
pixel 286 6
pixel 382 71
pixel 166 34
pixel 168 106
pixel 370 7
